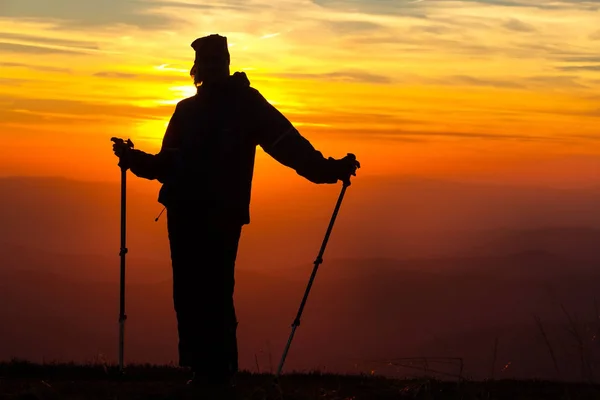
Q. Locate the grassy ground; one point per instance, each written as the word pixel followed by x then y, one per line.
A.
pixel 26 381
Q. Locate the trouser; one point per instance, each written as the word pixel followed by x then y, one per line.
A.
pixel 203 253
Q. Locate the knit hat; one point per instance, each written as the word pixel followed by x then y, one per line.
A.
pixel 211 49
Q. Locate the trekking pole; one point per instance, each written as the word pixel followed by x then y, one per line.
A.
pixel 122 253
pixel 318 261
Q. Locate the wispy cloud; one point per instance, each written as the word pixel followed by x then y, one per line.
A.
pixel 518 26
pixel 115 74
pixel 37 67
pixel 432 28
pixel 24 108
pixel 231 5
pixel 580 68
pixel 404 8
pixel 555 81
pixel 586 5
pixel 270 35
pixel 342 76
pixel 34 49
pixel 473 81
pixel 12 82
pixel 586 137
pixel 143 77
pixel 591 59
pixel 352 27
pixel 87 14
pixel 523 83
pixel 39 40
pixel 433 135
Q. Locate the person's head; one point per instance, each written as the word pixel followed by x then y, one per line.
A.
pixel 212 59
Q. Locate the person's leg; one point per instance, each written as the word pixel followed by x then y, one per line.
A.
pixel 216 311
pixel 181 241
pixel 203 256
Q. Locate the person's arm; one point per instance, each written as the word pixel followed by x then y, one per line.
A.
pixel 282 141
pixel 157 166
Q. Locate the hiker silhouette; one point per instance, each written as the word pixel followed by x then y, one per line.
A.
pixel 206 165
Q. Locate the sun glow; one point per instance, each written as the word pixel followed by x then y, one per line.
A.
pixel 179 93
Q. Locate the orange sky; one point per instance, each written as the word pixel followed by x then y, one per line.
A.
pixel 478 89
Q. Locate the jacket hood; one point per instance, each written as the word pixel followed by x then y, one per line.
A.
pixel 239 79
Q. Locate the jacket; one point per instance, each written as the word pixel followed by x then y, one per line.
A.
pixel 206 160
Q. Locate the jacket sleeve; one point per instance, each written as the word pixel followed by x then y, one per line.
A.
pixel 158 166
pixel 282 141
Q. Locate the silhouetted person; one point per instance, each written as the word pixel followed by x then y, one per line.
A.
pixel 206 165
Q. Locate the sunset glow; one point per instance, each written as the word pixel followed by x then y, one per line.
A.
pixel 425 87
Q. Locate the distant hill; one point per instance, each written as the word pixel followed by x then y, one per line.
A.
pixel 359 310
pixel 76 217
pixel 83 267
pixel 578 243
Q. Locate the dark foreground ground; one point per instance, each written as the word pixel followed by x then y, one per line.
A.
pixel 26 381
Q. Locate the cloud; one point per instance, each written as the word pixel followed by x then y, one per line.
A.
pixel 595 113
pixel 386 134
pixel 518 26
pixel 453 134
pixel 231 5
pixel 34 49
pixel 338 119
pixel 595 35
pixel 421 9
pixel 344 76
pixel 87 14
pixel 593 68
pixel 143 77
pixel 590 59
pixel 343 27
pixel 484 136
pixel 592 111
pixel 589 5
pixel 12 82
pixel 113 74
pixel 37 40
pixel 377 7
pixel 406 44
pixel 31 109
pixel 433 29
pixel 473 81
pixel 34 67
pixel 586 137
pixel 542 49
pixel 554 81
pixel 528 82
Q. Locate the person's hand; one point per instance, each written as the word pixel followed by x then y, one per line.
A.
pixel 121 148
pixel 346 167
